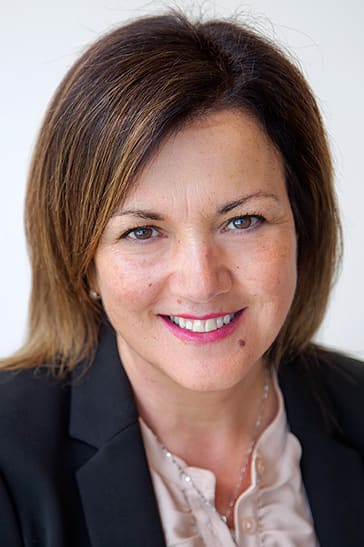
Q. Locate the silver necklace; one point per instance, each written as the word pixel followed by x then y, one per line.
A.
pixel 188 479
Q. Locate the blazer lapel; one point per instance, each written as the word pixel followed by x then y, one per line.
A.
pixel 114 484
pixel 332 471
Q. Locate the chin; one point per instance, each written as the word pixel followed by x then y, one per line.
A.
pixel 206 378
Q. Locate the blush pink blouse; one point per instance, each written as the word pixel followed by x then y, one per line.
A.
pixel 273 512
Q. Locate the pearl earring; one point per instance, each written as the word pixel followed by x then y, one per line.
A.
pixel 94 295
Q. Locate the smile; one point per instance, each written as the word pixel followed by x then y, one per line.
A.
pixel 202 325
pixel 203 330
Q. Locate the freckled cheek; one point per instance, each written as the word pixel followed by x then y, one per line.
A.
pixel 282 282
pixel 134 284
pixel 271 272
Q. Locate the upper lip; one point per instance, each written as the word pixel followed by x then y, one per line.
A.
pixel 202 317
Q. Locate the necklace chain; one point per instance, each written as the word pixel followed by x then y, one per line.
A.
pixel 188 479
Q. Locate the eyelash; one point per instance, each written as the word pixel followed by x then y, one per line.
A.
pixel 255 220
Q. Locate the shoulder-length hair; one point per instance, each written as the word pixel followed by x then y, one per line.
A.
pixel 113 109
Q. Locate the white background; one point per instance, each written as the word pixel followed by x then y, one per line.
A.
pixel 39 40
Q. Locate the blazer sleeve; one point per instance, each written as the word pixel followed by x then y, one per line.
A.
pixel 9 526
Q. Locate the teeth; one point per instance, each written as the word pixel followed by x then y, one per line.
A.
pixel 198 326
pixel 202 325
pixel 210 325
pixel 220 322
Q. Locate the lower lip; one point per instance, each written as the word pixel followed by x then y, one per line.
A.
pixel 203 337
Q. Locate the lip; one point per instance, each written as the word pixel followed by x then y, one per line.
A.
pixel 203 337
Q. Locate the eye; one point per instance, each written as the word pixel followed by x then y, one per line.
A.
pixel 245 222
pixel 142 233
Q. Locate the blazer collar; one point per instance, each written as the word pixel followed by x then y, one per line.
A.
pixel 114 484
pixel 332 472
pixel 102 402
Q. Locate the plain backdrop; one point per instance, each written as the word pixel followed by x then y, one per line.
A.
pixel 40 39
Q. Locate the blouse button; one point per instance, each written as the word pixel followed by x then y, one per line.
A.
pixel 259 466
pixel 249 525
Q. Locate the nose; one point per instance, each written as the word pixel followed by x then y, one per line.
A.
pixel 200 271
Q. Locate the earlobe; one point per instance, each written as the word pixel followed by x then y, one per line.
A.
pixel 94 295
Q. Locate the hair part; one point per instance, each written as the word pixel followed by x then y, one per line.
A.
pixel 112 111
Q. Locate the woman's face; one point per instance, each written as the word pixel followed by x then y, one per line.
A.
pixel 197 269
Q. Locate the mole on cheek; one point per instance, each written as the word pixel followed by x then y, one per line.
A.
pixel 150 284
pixel 179 301
pixel 241 343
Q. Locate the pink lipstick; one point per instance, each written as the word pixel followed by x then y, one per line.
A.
pixel 225 325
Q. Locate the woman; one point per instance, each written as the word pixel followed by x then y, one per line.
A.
pixel 183 237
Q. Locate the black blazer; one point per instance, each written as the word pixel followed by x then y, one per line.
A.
pixel 74 472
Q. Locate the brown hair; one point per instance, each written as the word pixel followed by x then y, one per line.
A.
pixel 115 106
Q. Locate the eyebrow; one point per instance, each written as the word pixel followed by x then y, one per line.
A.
pixel 241 201
pixel 139 213
pixel 146 214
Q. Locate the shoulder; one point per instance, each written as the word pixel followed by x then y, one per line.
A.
pixel 343 382
pixel 341 364
pixel 340 376
pixel 321 369
pixel 38 460
pixel 35 386
pixel 331 385
pixel 33 409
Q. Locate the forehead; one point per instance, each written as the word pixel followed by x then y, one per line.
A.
pixel 216 156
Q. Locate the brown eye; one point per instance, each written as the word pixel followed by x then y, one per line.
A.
pixel 245 222
pixel 242 222
pixel 145 232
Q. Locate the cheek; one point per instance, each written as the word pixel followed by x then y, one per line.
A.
pixel 273 273
pixel 133 283
pixel 283 283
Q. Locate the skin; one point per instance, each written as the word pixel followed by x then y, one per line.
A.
pixel 190 257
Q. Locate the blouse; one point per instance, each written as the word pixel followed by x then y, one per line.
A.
pixel 272 512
